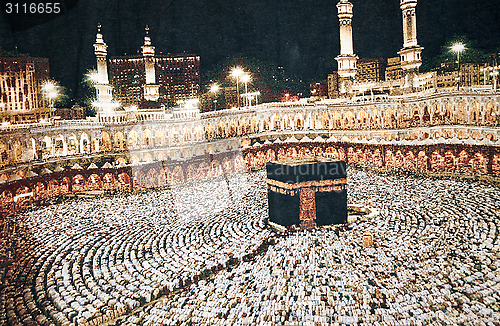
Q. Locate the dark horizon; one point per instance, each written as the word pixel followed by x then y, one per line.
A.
pixel 300 36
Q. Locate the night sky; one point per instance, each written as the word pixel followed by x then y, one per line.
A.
pixel 300 35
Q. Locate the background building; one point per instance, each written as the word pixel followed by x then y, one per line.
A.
pixel 371 70
pixel 21 98
pixel 471 74
pixel 393 69
pixel 74 113
pixel 178 77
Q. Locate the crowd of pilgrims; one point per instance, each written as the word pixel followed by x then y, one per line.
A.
pixel 202 255
pixel 88 261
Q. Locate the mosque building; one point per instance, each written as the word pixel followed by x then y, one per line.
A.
pixel 422 170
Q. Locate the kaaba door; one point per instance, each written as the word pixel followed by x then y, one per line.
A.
pixel 307 208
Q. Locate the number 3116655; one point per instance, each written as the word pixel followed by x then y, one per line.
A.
pixel 33 8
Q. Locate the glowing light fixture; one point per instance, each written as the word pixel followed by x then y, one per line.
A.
pixel 246 78
pixel 237 72
pixel 50 90
pixel 458 47
pixel 214 88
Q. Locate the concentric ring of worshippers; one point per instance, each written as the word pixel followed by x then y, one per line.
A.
pixel 435 258
pixel 90 261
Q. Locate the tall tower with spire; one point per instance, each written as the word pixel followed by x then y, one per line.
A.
pixel 347 59
pixel 411 53
pixel 151 89
pixel 104 89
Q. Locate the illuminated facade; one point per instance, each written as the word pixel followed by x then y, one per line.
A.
pixel 454 119
pixel 21 98
pixel 74 113
pixel 472 74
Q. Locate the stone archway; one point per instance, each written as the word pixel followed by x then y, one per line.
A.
pixel 132 139
pixel 491 117
pixel 105 143
pixel 84 143
pixel 72 144
pixel 298 121
pixel 119 141
pixel 461 113
pixel 475 114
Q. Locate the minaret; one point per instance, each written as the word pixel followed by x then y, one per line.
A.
pixel 410 54
pixel 151 90
pixel 104 90
pixel 347 59
pixel 101 51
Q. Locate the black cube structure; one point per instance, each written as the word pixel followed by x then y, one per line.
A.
pixel 307 193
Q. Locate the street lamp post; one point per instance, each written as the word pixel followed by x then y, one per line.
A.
pixel 458 48
pixel 253 96
pixel 237 73
pixel 246 78
pixel 214 89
